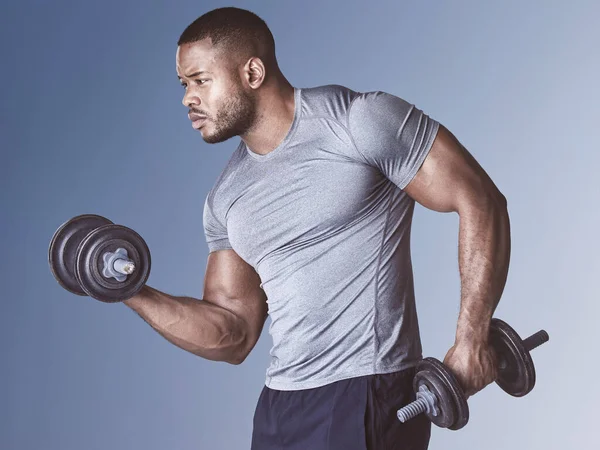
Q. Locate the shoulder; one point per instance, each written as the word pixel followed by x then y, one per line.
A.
pixel 377 106
pixel 353 108
pixel 332 100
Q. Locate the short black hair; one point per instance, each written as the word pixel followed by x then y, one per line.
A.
pixel 237 33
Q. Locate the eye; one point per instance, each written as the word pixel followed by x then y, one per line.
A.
pixel 183 85
pixel 201 81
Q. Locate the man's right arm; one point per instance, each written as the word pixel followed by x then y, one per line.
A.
pixel 225 325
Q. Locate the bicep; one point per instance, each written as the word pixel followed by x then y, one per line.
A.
pixel 233 284
pixel 450 179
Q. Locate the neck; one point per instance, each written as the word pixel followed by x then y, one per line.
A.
pixel 275 114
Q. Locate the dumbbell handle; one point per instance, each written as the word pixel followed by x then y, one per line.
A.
pixel 117 264
pixel 411 410
pixel 533 341
pixel 124 266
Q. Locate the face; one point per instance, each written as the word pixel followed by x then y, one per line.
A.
pixel 219 104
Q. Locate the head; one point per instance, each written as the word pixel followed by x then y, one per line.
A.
pixel 223 59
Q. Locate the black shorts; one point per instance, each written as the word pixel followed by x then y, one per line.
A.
pixel 353 414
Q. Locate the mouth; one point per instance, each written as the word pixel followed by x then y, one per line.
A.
pixel 197 120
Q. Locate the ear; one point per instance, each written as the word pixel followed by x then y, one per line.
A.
pixel 255 72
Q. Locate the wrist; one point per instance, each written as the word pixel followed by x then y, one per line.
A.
pixel 140 298
pixel 472 333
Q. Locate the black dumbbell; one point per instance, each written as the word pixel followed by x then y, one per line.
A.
pixel 438 392
pixel 90 255
pixel 439 396
pixel 516 372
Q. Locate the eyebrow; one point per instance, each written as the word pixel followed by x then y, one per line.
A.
pixel 194 74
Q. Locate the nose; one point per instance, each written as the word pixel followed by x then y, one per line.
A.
pixel 190 99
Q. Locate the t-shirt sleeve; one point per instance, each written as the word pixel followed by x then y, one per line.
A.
pixel 391 134
pixel 215 231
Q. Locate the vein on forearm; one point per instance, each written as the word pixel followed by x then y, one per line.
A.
pixel 484 254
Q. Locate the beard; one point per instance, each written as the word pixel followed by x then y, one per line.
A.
pixel 236 116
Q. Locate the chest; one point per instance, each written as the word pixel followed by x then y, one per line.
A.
pixel 297 200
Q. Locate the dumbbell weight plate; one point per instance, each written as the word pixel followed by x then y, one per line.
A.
pixel 453 411
pixel 62 252
pixel 90 263
pixel 517 378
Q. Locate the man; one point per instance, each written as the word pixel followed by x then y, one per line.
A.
pixel 309 223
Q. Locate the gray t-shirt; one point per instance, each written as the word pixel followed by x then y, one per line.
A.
pixel 324 221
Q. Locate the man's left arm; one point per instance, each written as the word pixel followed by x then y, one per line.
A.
pixel 451 180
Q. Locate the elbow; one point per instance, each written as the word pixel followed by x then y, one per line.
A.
pixel 236 362
pixel 239 352
pixel 493 202
pixel 501 206
pixel 237 358
pixel 242 344
pixel 500 200
pixel 497 210
pixel 492 199
pixel 489 196
pixel 245 342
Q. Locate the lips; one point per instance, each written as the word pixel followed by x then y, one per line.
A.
pixel 197 119
pixel 194 116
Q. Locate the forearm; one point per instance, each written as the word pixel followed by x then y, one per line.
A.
pixel 198 326
pixel 484 254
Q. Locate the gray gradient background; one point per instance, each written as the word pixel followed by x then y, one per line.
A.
pixel 91 122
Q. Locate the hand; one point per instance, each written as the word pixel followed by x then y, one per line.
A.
pixel 474 365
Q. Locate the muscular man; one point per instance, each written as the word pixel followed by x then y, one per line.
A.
pixel 309 223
